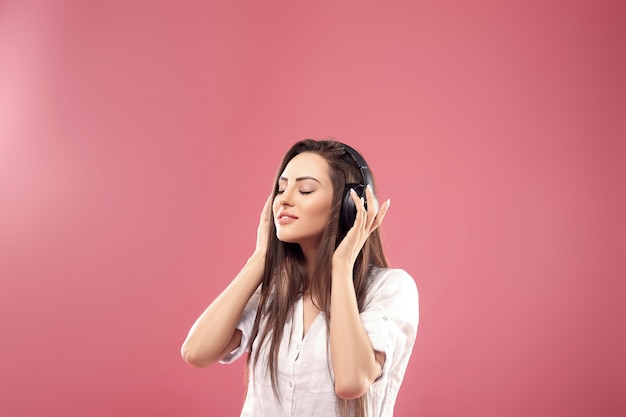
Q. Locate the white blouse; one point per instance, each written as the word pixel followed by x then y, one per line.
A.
pixel 305 375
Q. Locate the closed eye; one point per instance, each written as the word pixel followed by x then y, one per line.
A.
pixel 278 192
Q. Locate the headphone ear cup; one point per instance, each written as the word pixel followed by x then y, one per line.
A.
pixel 348 208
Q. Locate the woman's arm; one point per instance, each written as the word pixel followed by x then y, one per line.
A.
pixel 214 335
pixel 356 364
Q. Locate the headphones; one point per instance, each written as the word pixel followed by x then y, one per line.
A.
pixel 348 208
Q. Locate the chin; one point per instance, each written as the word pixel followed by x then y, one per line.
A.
pixel 286 239
pixel 290 238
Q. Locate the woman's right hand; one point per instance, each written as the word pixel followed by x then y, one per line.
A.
pixel 263 231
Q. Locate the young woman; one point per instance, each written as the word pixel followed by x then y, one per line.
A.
pixel 328 325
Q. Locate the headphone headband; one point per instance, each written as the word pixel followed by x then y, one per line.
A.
pixel 360 161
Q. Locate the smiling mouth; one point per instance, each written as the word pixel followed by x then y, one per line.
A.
pixel 286 219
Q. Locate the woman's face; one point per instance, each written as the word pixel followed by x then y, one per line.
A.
pixel 302 205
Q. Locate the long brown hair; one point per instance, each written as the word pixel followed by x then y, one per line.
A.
pixel 286 277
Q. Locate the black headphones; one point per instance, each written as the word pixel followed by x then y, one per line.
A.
pixel 348 208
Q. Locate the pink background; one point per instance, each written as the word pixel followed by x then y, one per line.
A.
pixel 138 141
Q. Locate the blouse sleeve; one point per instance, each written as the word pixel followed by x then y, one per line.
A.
pixel 391 316
pixel 245 324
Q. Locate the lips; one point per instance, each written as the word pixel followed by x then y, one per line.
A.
pixel 286 218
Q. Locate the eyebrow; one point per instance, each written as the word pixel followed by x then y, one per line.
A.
pixel 301 179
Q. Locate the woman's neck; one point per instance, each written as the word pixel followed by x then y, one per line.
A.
pixel 309 252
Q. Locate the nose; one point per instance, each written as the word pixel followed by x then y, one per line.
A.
pixel 286 198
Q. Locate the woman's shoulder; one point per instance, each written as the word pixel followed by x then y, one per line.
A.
pixel 391 279
pixel 394 274
pixel 393 292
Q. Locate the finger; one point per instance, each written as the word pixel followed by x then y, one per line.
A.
pixel 381 215
pixel 264 224
pixel 372 202
pixel 361 214
pixel 267 208
pixel 372 206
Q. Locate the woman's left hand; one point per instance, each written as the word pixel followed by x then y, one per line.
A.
pixel 365 223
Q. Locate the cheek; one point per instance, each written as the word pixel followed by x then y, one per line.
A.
pixel 322 212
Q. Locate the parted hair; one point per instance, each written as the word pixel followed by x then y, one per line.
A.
pixel 286 276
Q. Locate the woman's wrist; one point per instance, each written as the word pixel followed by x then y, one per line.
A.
pixel 254 267
pixel 340 267
pixel 258 256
